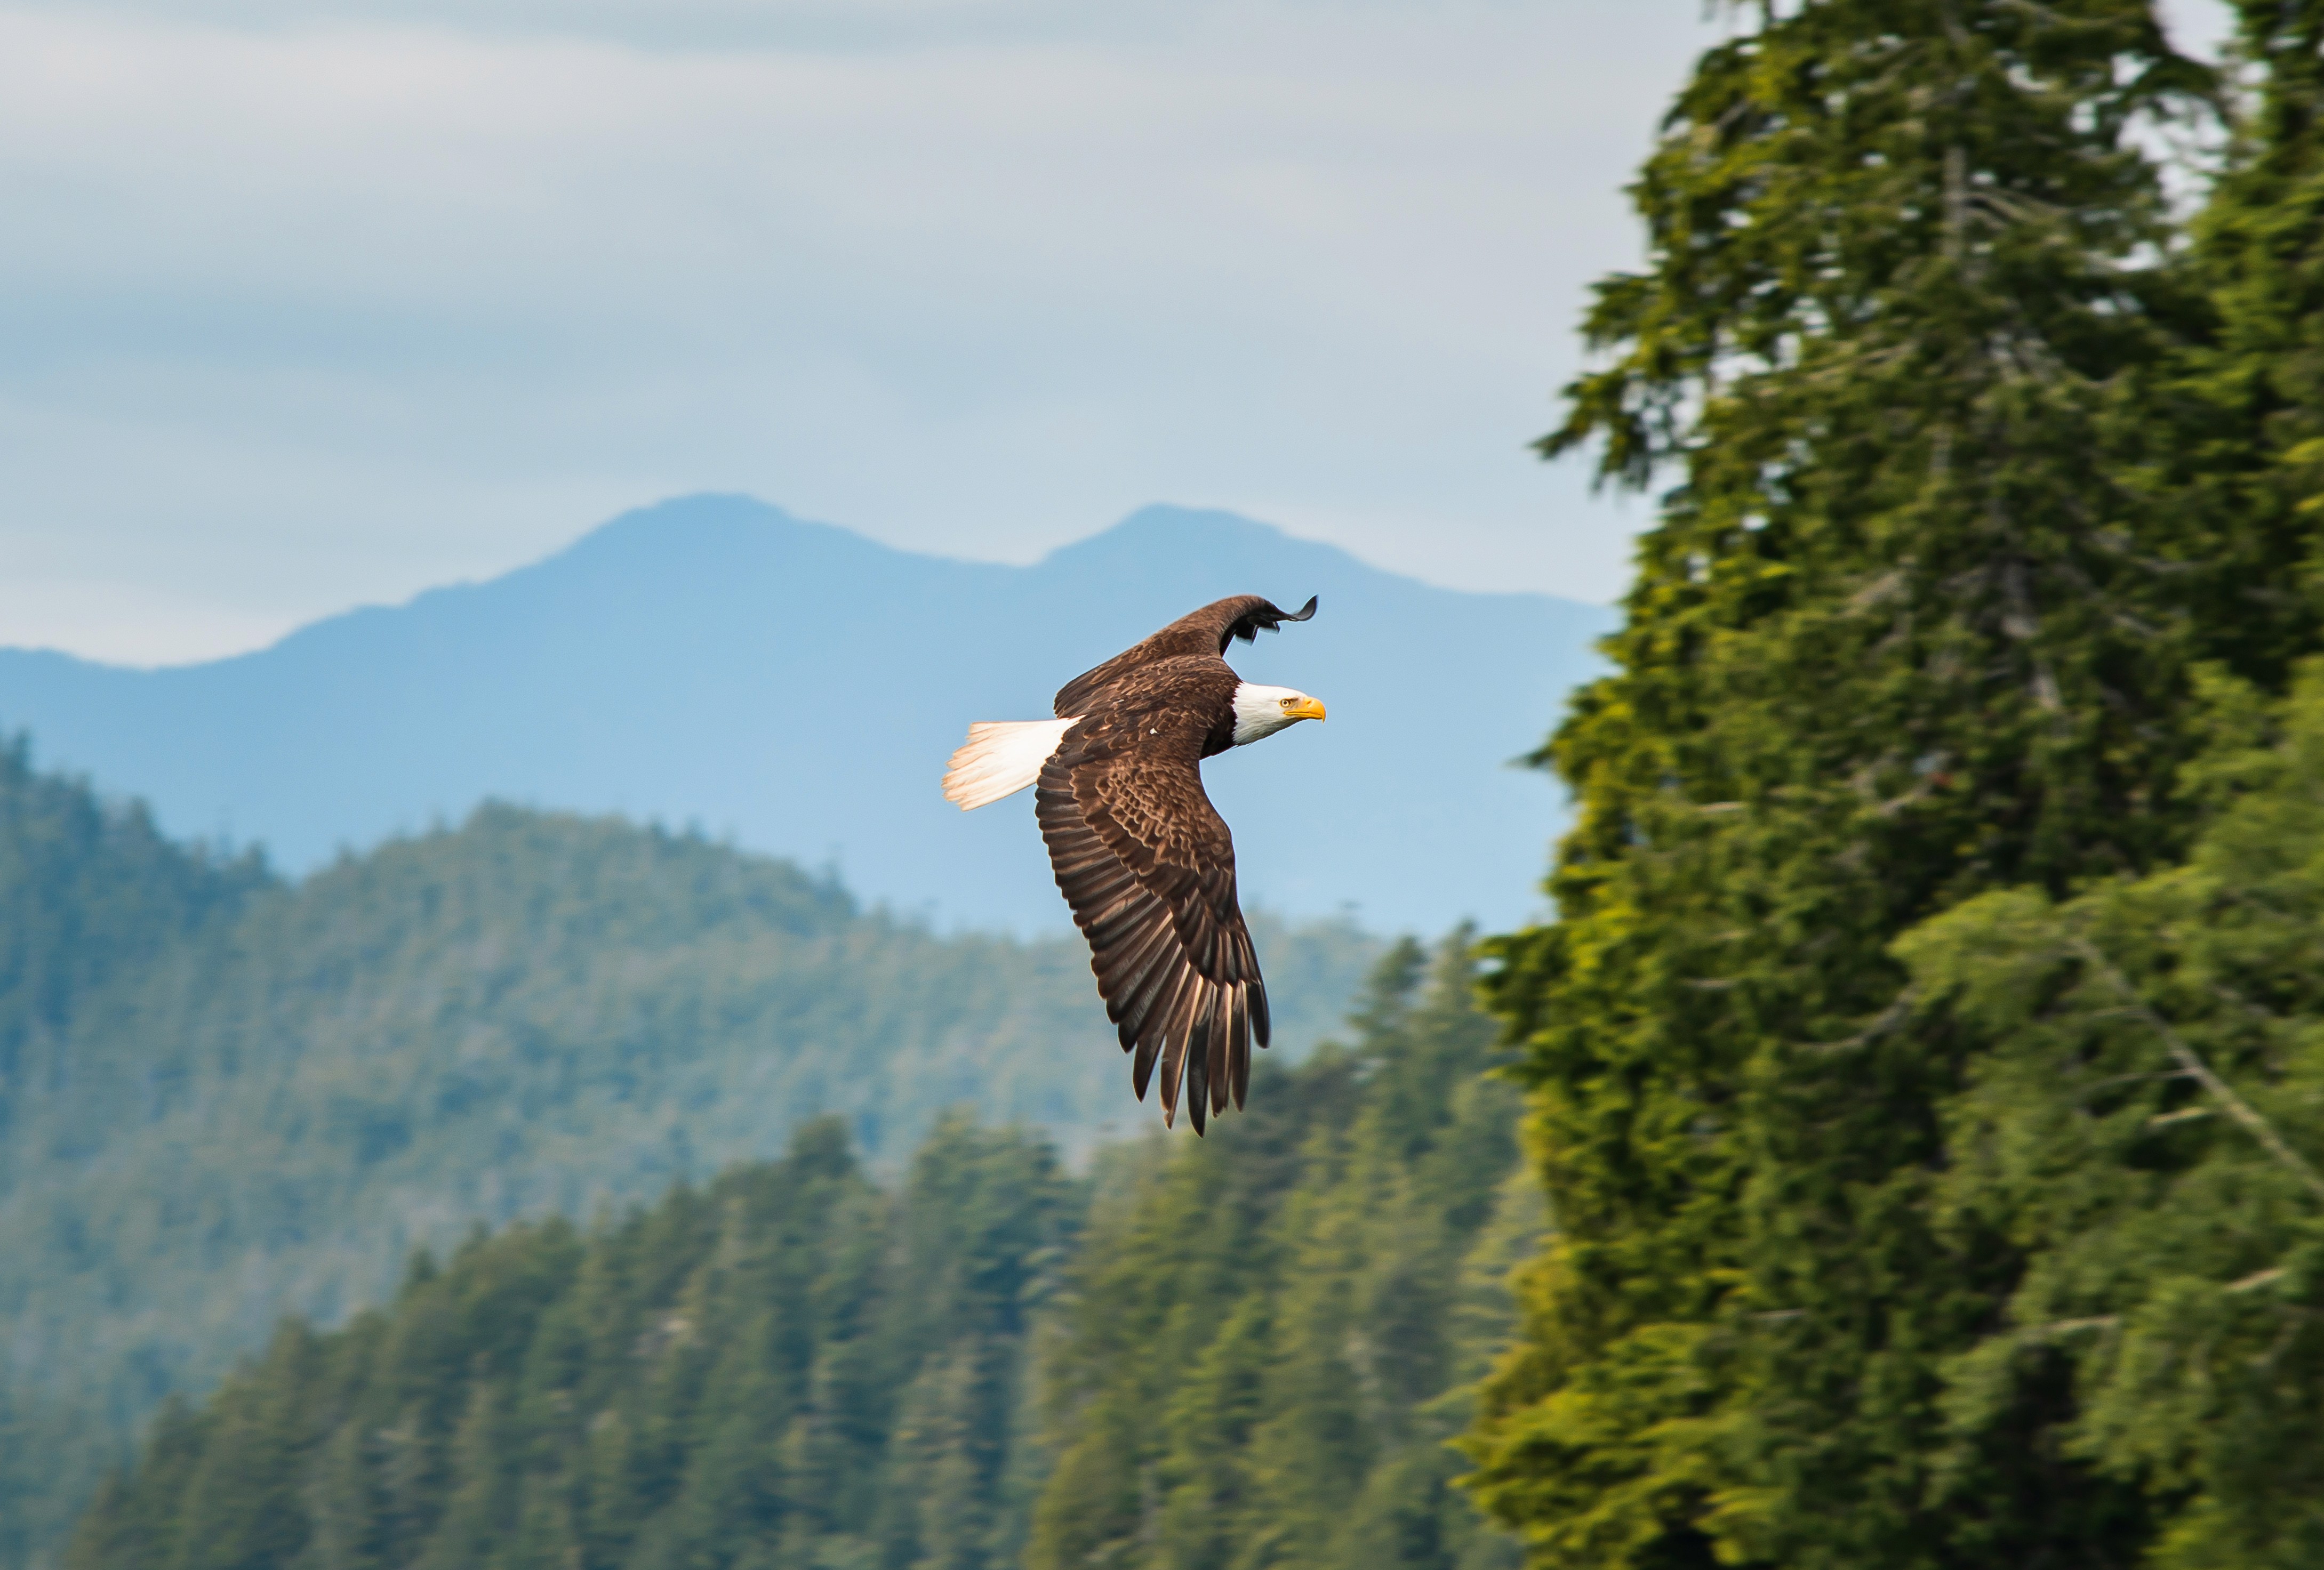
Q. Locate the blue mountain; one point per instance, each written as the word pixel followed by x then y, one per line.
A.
pixel 797 688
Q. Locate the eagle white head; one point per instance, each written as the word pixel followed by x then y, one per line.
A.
pixel 1262 711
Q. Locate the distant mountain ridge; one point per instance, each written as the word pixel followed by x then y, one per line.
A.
pixel 713 660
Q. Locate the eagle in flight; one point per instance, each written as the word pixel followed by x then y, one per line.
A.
pixel 1140 855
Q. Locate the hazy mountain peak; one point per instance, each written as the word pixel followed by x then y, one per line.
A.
pixel 1206 534
pixel 706 519
pixel 1165 524
pixel 672 541
pixel 716 660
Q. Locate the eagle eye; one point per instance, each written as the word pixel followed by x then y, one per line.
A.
pixel 1287 702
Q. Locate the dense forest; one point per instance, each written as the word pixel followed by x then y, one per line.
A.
pixel 1257 1340
pixel 1262 1361
pixel 1923 1067
pixel 225 1097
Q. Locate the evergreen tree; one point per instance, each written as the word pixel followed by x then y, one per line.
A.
pixel 2239 446
pixel 1907 628
pixel 2141 1117
pixel 2147 1119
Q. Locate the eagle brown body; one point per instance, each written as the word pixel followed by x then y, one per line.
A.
pixel 1145 860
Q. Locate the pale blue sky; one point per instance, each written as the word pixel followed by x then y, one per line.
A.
pixel 308 305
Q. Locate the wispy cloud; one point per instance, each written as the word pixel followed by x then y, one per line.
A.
pixel 308 304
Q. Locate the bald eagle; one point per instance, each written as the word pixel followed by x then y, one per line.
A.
pixel 1140 855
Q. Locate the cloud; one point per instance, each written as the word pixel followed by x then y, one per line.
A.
pixel 305 305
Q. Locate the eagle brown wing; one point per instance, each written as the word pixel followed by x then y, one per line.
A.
pixel 1207 631
pixel 1147 865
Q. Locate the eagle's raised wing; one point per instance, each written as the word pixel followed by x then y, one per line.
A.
pixel 1207 631
pixel 1148 866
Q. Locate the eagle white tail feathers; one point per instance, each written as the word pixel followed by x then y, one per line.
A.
pixel 1003 756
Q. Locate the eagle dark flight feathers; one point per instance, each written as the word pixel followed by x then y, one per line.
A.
pixel 1139 853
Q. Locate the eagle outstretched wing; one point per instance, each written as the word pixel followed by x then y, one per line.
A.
pixel 1147 865
pixel 1139 853
pixel 1207 631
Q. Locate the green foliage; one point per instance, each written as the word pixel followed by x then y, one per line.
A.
pixel 2146 1123
pixel 1248 1352
pixel 785 1368
pixel 2236 439
pixel 234 1099
pixel 87 891
pixel 1911 625
pixel 1269 1336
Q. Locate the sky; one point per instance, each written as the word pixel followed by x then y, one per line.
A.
pixel 317 304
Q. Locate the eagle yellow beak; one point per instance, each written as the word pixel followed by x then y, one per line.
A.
pixel 1307 708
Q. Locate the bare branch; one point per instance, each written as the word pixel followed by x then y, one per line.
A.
pixel 1890 1018
pixel 2069 1326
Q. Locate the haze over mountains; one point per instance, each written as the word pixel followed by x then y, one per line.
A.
pixel 714 661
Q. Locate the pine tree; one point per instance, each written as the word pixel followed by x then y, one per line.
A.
pixel 1908 627
pixel 2240 452
pixel 2147 1118
pixel 2140 1114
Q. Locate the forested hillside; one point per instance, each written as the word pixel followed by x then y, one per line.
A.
pixel 1249 1350
pixel 85 894
pixel 227 1097
pixel 786 1367
pixel 1265 1348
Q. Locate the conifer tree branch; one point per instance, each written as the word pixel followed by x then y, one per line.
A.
pixel 2193 1061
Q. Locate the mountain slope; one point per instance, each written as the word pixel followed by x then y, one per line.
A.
pixel 798 687
pixel 87 891
pixel 1242 1352
pixel 535 1014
